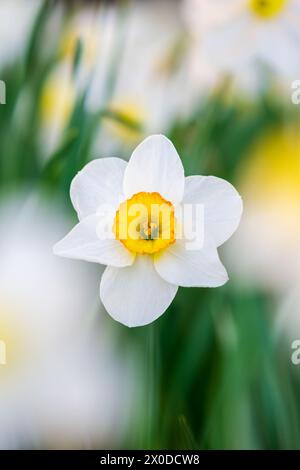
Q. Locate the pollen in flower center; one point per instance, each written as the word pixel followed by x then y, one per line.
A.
pixel 145 223
pixel 267 9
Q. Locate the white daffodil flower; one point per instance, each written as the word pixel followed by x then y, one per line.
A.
pixel 236 33
pixel 153 228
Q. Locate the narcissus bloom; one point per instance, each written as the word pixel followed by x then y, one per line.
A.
pixel 236 33
pixel 153 228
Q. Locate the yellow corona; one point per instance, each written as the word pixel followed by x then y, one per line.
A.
pixel 145 223
pixel 267 9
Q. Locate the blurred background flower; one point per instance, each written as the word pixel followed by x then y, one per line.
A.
pixel 13 40
pixel 268 240
pixel 238 38
pixel 62 377
pixel 87 80
pixel 236 33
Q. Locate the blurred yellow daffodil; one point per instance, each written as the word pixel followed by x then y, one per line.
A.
pixel 268 239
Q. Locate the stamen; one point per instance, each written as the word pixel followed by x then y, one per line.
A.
pixel 145 223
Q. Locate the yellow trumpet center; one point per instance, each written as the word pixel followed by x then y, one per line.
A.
pixel 267 9
pixel 145 223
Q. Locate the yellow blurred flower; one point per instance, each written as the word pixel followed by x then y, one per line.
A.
pixel 269 237
pixel 57 99
pixel 272 173
pixel 126 122
pixel 84 30
pixel 267 8
pixel 55 106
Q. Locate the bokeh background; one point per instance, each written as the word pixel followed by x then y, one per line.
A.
pixel 91 79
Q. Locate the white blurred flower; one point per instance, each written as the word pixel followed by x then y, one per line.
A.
pixel 237 33
pixel 88 399
pixel 17 17
pixel 84 27
pixel 150 90
pixel 146 266
pixel 64 84
pixel 56 379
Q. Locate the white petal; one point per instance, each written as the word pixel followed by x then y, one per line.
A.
pixel 83 243
pixel 99 182
pixel 223 205
pixel 155 166
pixel 135 295
pixel 197 268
